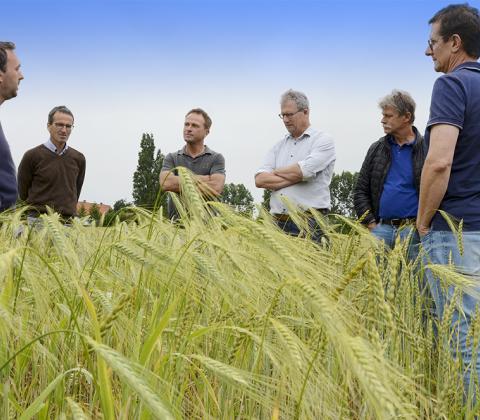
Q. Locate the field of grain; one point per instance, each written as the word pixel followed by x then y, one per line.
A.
pixel 220 317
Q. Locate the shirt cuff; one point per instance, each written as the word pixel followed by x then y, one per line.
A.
pixel 306 174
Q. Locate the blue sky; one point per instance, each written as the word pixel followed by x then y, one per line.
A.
pixel 126 67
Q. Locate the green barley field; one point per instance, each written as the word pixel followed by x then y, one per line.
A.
pixel 221 317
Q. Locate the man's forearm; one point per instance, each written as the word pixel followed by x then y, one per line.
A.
pixel 433 185
pixel 170 182
pixel 291 173
pixel 214 183
pixel 436 173
pixel 362 204
pixel 270 181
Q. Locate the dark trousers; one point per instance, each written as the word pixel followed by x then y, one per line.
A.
pixel 289 227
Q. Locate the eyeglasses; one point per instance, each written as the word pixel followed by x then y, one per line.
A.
pixel 60 126
pixel 433 42
pixel 289 115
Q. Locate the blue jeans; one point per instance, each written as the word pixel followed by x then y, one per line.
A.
pixel 389 233
pixel 440 248
pixel 291 228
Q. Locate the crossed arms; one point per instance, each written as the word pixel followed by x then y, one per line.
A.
pixel 209 184
pixel 279 178
pixel 274 178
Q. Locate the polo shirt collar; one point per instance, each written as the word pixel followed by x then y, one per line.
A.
pixel 472 65
pixel 392 141
pixel 206 151
pixel 50 146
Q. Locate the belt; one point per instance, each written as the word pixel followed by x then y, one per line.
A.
pixel 284 217
pixel 398 222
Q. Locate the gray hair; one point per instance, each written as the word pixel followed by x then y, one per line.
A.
pixel 61 108
pixel 401 101
pixel 299 98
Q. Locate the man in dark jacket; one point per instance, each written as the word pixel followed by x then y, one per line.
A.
pixel 386 193
pixel 10 76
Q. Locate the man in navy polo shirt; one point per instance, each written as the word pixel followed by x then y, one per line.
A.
pixel 386 193
pixel 451 174
pixel 10 76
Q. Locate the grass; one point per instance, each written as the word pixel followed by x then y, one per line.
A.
pixel 219 317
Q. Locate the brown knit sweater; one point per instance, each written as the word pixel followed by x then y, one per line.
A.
pixel 48 179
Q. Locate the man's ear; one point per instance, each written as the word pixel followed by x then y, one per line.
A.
pixel 456 42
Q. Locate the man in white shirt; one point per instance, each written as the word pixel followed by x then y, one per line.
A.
pixel 299 167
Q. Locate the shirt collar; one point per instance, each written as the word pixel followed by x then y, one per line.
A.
pixel 50 146
pixel 392 141
pixel 473 65
pixel 206 151
pixel 307 133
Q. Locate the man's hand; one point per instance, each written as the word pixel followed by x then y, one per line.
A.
pixel 211 185
pixel 169 181
pixel 422 230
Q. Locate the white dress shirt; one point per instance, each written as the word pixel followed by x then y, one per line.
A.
pixel 314 151
pixel 50 146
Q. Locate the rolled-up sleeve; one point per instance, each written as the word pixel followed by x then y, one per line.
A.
pixel 269 163
pixel 321 156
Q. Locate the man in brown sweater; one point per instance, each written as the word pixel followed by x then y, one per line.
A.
pixel 52 173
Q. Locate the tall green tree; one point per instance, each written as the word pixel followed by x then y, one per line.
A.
pixel 146 177
pixel 341 192
pixel 117 210
pixel 266 199
pixel 95 212
pixel 120 204
pixel 82 212
pixel 238 196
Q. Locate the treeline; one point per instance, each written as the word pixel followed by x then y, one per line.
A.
pixel 146 189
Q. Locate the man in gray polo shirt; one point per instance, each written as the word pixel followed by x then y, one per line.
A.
pixel 208 165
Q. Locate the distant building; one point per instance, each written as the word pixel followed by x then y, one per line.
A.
pixel 84 207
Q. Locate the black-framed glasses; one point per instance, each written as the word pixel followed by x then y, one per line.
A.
pixel 289 115
pixel 60 126
pixel 431 43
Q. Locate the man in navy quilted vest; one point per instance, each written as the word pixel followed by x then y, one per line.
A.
pixel 386 193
